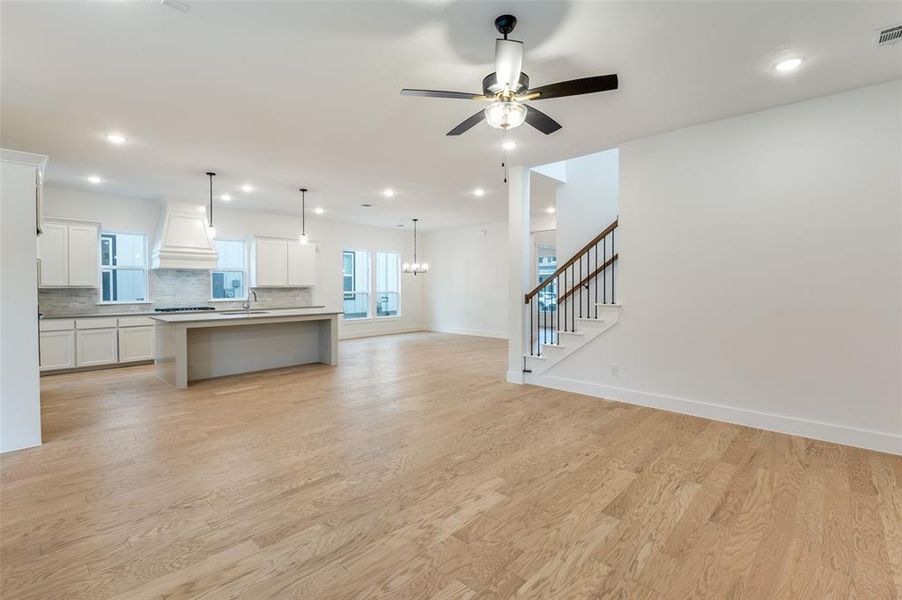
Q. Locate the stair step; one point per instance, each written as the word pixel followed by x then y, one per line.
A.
pixel 561 331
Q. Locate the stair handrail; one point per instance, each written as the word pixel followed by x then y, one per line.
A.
pixel 607 230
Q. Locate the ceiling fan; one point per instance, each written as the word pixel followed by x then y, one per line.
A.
pixel 507 89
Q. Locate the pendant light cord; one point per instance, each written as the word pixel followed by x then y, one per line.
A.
pixel 211 175
pixel 415 241
pixel 303 211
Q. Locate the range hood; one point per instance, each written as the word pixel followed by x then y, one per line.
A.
pixel 183 239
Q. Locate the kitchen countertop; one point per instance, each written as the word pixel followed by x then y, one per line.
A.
pixel 238 315
pixel 151 313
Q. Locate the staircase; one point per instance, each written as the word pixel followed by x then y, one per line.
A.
pixel 574 305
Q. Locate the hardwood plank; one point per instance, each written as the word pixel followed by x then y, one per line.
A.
pixel 413 470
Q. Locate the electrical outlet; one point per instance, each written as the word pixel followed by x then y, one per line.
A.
pixel 615 370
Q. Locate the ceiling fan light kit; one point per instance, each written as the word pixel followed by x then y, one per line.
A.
pixel 505 115
pixel 507 89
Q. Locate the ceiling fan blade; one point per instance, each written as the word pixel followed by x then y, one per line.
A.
pixel 541 121
pixel 468 124
pixel 443 94
pixel 508 63
pixel 574 87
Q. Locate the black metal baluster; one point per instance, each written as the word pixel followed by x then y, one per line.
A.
pixel 613 252
pixel 604 274
pixel 545 324
pixel 579 282
pixel 572 307
pixel 596 279
pixel 538 345
pixel 531 300
pixel 565 300
pixel 557 309
pixel 588 286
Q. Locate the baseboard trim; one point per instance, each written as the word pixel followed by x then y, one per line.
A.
pixel 501 335
pixel 515 377
pixel 818 430
pixel 365 333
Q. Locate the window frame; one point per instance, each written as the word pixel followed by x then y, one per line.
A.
pixel 356 279
pixel 345 294
pixel 244 271
pixel 113 268
pixel 377 291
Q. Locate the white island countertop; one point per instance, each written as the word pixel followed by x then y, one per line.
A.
pixel 239 314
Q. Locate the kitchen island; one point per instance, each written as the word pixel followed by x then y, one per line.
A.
pixel 193 346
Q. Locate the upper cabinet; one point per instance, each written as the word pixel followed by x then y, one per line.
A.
pixel 68 252
pixel 280 262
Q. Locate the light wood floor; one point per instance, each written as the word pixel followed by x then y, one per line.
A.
pixel 413 471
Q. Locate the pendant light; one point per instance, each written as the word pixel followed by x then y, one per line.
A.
pixel 303 236
pixel 211 229
pixel 415 267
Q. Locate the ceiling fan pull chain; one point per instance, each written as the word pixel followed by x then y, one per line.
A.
pixel 504 155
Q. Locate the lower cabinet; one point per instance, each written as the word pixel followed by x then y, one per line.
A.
pixel 95 341
pixel 57 350
pixel 96 347
pixel 136 343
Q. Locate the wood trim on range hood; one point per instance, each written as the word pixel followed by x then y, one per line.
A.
pixel 183 240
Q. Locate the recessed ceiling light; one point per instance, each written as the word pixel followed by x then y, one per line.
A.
pixel 788 64
pixel 225 197
pixel 479 192
pixel 115 138
pixel 247 188
pixel 509 145
pixel 388 192
pixel 94 179
pixel 551 210
pixel 319 210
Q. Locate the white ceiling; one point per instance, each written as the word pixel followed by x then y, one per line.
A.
pixel 289 94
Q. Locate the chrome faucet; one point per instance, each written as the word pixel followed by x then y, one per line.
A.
pixel 247 304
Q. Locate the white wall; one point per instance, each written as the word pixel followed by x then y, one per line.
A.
pixel 466 287
pixel 761 272
pixel 121 213
pixel 20 404
pixel 117 213
pixel 587 202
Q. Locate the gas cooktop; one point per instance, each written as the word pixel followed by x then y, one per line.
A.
pixel 167 309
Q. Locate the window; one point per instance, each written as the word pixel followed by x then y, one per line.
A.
pixel 229 276
pixel 348 274
pixel 547 267
pixel 355 284
pixel 123 267
pixel 388 284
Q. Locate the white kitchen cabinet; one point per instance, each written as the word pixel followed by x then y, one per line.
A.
pixel 68 252
pixel 96 347
pixel 301 265
pixel 54 252
pixel 90 341
pixel 83 265
pixel 271 263
pixel 279 262
pixel 57 349
pixel 136 343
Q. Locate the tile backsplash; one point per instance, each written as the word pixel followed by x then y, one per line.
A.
pixel 168 287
